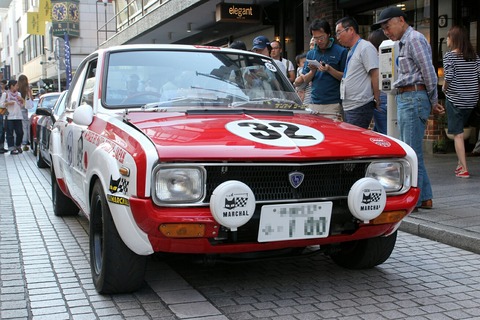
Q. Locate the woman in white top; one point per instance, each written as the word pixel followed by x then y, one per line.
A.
pixel 13 101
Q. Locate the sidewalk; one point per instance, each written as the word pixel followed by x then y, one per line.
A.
pixel 454 219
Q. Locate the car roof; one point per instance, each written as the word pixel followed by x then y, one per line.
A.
pixel 183 47
pixel 50 94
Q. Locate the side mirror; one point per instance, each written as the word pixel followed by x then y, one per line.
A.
pixel 46 112
pixel 83 115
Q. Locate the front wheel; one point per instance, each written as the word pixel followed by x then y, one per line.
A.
pixel 367 253
pixel 115 268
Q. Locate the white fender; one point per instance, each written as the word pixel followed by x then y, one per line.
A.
pixel 106 165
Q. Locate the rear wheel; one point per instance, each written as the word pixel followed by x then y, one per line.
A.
pixel 34 148
pixel 367 253
pixel 32 143
pixel 40 160
pixel 62 205
pixel 115 268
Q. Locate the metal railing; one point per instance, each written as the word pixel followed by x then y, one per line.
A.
pixel 124 18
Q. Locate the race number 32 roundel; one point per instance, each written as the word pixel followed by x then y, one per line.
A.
pixel 276 133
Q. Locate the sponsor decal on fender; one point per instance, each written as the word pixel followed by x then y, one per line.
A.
pixel 118 200
pixel 119 185
pixel 381 142
pixel 96 139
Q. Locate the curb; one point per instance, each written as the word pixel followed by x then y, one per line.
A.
pixel 441 233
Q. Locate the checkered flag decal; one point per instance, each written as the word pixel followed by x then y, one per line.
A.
pixel 241 201
pixel 376 196
pixel 123 186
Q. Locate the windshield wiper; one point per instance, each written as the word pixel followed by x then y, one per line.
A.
pixel 216 77
pixel 265 101
pixel 223 92
pixel 192 101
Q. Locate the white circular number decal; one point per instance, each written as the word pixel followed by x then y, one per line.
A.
pixel 276 133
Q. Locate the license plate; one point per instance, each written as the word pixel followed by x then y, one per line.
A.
pixel 295 221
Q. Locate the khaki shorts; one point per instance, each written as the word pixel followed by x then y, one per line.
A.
pixel 333 111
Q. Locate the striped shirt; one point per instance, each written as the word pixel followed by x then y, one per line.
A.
pixel 463 79
pixel 415 64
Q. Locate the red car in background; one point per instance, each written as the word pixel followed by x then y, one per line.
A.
pixel 47 100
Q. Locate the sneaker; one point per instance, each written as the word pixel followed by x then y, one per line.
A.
pixel 19 149
pixel 25 148
pixel 463 174
pixel 15 151
pixel 458 169
pixel 2 150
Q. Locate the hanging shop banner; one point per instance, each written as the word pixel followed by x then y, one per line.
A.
pixel 35 25
pixel 65 18
pixel 237 12
pixel 45 10
pixel 68 61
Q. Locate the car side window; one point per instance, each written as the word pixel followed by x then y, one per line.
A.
pixel 87 93
pixel 82 90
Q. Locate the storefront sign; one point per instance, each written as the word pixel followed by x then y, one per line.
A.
pixel 236 12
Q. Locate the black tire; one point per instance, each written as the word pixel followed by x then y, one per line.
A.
pixel 34 148
pixel 115 268
pixel 363 254
pixel 62 204
pixel 32 143
pixel 41 163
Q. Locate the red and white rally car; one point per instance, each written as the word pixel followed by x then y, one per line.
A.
pixel 190 149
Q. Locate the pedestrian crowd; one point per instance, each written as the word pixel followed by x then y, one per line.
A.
pixel 338 77
pixel 15 101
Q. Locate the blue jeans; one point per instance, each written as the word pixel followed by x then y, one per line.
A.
pixel 413 110
pixel 361 116
pixel 380 116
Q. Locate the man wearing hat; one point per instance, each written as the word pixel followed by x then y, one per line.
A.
pixel 416 89
pixel 261 45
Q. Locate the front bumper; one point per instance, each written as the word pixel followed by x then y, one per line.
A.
pixel 216 239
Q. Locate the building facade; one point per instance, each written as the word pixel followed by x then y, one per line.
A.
pixel 105 23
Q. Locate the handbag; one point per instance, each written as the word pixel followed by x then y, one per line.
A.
pixel 3 111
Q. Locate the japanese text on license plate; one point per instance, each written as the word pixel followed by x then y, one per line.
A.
pixel 295 221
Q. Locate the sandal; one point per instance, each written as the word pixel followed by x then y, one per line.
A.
pixel 14 151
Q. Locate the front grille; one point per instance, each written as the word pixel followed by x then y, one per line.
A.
pixel 270 182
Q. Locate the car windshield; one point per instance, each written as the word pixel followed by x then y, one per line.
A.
pixel 158 79
pixel 49 101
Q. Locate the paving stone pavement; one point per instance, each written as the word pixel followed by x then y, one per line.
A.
pixel 39 280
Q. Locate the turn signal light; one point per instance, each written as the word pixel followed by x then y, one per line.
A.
pixel 389 217
pixel 182 230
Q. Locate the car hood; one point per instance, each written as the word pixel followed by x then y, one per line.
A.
pixel 262 136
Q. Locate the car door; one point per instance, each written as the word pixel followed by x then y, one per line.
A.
pixel 72 139
pixel 48 125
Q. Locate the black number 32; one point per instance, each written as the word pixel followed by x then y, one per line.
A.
pixel 264 132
